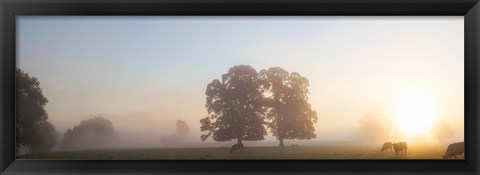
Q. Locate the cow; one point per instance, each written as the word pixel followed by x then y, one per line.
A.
pixel 400 149
pixel 454 149
pixel 236 147
pixel 387 146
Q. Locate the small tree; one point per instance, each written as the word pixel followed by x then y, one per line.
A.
pixel 375 127
pixel 290 114
pixel 442 130
pixel 182 128
pixel 33 130
pixel 91 133
pixel 235 106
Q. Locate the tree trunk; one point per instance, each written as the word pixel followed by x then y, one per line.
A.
pixel 281 142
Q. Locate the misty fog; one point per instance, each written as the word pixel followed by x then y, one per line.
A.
pixel 145 130
pixel 146 77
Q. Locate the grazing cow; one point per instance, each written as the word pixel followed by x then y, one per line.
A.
pixel 387 146
pixel 454 149
pixel 236 147
pixel 400 149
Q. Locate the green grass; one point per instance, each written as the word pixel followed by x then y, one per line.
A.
pixel 299 152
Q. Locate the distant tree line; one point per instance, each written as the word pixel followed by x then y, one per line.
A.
pixel 244 102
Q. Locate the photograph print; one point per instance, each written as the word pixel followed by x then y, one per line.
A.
pixel 233 87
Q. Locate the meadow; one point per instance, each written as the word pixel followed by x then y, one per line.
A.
pixel 265 152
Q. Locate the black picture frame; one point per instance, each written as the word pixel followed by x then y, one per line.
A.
pixel 470 9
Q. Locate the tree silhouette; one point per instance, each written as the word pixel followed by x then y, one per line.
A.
pixel 182 128
pixel 181 136
pixel 49 138
pixel 235 107
pixel 376 127
pixel 442 130
pixel 289 113
pixel 91 133
pixel 33 130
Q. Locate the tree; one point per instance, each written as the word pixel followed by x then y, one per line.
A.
pixel 289 115
pixel 235 107
pixel 375 127
pixel 182 128
pixel 91 133
pixel 49 138
pixel 33 130
pixel 442 130
pixel 181 136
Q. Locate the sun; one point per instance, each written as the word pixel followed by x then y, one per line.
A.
pixel 415 112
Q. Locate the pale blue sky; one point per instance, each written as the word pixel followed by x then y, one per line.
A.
pixel 157 68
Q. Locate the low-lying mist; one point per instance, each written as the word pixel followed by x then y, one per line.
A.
pixel 151 130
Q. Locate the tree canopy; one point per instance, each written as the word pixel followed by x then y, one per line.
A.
pixel 244 101
pixel 182 128
pixel 181 136
pixel 375 127
pixel 91 133
pixel 235 106
pixel 442 130
pixel 289 115
pixel 33 130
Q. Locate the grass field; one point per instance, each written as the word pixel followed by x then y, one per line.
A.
pixel 295 152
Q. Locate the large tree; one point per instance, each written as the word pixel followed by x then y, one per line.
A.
pixel 235 106
pixel 289 115
pixel 33 130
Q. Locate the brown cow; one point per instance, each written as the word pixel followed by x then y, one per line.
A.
pixel 400 149
pixel 387 146
pixel 454 149
pixel 236 147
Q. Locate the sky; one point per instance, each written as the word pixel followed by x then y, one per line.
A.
pixel 144 73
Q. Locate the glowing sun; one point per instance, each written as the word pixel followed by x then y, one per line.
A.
pixel 416 112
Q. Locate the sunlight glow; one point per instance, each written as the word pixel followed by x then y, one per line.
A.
pixel 416 112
